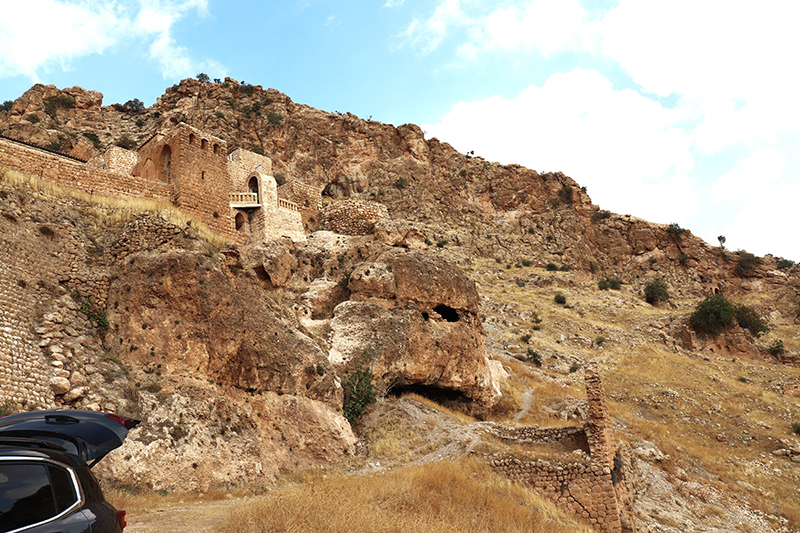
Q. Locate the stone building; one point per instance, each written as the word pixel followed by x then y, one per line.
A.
pixel 233 194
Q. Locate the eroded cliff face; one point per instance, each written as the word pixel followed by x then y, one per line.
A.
pixel 484 208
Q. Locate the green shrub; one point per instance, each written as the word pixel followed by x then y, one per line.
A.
pixel 274 118
pixel 675 231
pixel 7 105
pixel 652 260
pixel 783 264
pixel 551 267
pixel 565 194
pixel 358 393
pixel 599 215
pixel 219 114
pixel 796 427
pixel 655 292
pixel 126 142
pixel 246 89
pixel 776 348
pixel 498 260
pixel 603 285
pixel 526 262
pixel 560 299
pixel 139 123
pixel 564 268
pixel 93 137
pixel 599 340
pixel 746 265
pixel 441 243
pixel 614 283
pixel 33 118
pixel 401 182
pixel 713 315
pixel 683 259
pixel 749 320
pixel 534 357
pixel 133 106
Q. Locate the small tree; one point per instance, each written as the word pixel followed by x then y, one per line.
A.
pixel 358 393
pixel 721 240
pixel 656 291
pixel 746 265
pixel 133 106
pixel 203 77
pixel 675 231
pixel 749 320
pixel 713 315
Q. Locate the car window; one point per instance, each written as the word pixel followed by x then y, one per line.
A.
pixel 33 492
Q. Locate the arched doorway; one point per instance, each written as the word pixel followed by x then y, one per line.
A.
pixel 240 221
pixel 166 163
pixel 253 187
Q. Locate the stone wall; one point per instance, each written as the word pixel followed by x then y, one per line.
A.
pixel 586 484
pixel 353 217
pixel 308 200
pixel 76 175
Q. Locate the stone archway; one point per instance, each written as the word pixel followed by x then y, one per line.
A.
pixel 240 221
pixel 252 185
pixel 166 163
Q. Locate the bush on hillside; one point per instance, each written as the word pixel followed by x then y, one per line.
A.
pixel 655 292
pixel 746 265
pixel 358 393
pixel 749 320
pixel 713 315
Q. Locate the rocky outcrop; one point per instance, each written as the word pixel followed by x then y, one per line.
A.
pixel 413 318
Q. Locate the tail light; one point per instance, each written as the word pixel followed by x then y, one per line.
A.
pixel 128 423
pixel 121 520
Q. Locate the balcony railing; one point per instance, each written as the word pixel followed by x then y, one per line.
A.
pixel 244 198
pixel 286 204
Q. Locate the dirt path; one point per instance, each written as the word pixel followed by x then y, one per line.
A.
pixel 197 517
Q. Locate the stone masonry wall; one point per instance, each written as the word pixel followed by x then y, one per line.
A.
pixel 586 485
pixel 353 217
pixel 76 175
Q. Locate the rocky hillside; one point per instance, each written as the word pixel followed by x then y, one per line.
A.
pixel 235 357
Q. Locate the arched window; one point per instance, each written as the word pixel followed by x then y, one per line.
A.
pixel 204 144
pixel 216 149
pixel 239 221
pixel 253 186
pixel 192 139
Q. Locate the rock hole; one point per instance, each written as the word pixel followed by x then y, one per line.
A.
pixel 448 313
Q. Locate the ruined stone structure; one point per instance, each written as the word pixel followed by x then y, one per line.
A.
pixel 354 217
pixel 590 483
pixel 233 194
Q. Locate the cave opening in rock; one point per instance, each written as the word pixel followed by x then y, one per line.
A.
pixel 446 312
pixel 452 399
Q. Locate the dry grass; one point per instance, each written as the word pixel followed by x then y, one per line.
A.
pixel 718 417
pixel 107 211
pixel 447 496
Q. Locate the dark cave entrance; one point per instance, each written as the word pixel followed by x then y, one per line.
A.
pixel 444 311
pixel 452 399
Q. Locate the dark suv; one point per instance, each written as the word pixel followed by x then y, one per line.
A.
pixel 46 485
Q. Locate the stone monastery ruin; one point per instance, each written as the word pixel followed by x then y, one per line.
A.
pixel 233 194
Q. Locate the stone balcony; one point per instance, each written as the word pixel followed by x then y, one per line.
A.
pixel 243 200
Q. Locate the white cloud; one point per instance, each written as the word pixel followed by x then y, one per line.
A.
pixel 394 3
pixel 39 33
pixel 428 34
pixel 69 29
pixel 627 149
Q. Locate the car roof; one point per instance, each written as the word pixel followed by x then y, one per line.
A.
pixel 85 434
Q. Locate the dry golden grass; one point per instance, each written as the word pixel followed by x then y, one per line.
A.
pixel 458 496
pixel 718 417
pixel 110 212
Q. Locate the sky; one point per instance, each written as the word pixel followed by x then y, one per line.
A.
pixel 682 112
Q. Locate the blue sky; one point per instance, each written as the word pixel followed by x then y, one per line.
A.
pixel 680 111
